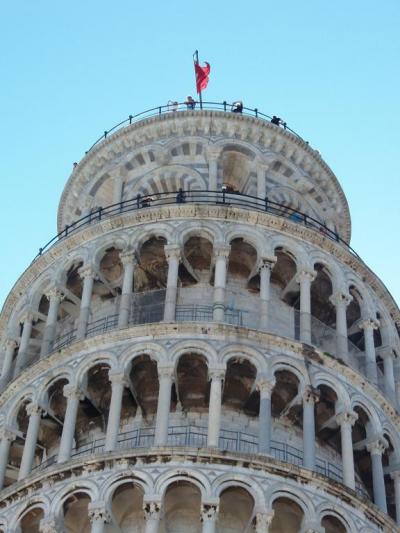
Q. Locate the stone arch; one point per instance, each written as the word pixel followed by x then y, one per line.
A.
pixel 119 241
pixel 363 403
pixel 207 230
pixel 322 378
pixel 93 360
pixel 195 477
pixel 27 396
pixel 65 373
pixel 287 196
pixel 251 236
pixel 160 230
pixel 252 355
pixel 81 255
pixel 141 479
pixel 344 517
pixel 226 481
pixel 282 490
pixel 393 436
pixel 176 144
pixel 193 346
pixel 332 269
pixel 34 502
pixel 282 363
pixel 154 351
pixel 366 304
pixel 87 487
pixel 296 251
pixel 169 178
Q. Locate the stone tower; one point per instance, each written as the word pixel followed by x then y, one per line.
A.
pixel 200 349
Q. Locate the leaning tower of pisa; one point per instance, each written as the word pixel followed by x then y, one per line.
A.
pixel 199 349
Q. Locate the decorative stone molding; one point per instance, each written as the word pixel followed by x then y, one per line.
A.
pixel 98 512
pixel 377 447
pixel 172 251
pixel 263 521
pixel 152 510
pixel 346 417
pixel 209 512
pixel 340 298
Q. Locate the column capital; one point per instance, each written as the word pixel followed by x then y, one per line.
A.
pixel 165 371
pixel 87 271
pixel 311 395
pixel 209 512
pixel 216 372
pixel 33 409
pixel 266 263
pixel 50 524
pixel 377 446
pixel 305 275
pixel 128 257
pixel 54 293
pixel 98 512
pixel 395 475
pixel 346 417
pixel 117 377
pixel 27 315
pixel 70 391
pixel 263 521
pixel 369 324
pixel 7 433
pixel 265 386
pixel 152 510
pixel 385 352
pixel 10 344
pixel 222 250
pixel 213 152
pixel 172 251
pixel 340 299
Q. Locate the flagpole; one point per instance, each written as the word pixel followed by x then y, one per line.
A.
pixel 196 56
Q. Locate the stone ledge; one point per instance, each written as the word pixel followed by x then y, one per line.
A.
pixel 130 459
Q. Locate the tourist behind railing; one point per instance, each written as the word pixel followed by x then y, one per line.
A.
pixel 237 107
pixel 278 121
pixel 180 197
pixel 173 105
pixel 190 103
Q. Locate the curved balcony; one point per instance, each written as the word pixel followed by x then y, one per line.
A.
pixel 220 198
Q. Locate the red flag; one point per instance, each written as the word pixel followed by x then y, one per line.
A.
pixel 202 74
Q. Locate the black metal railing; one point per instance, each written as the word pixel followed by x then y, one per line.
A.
pixel 220 198
pixel 182 106
pixel 196 436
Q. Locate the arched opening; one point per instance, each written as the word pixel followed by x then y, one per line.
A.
pixel 70 305
pixel 236 169
pixel 236 511
pixel 75 513
pixel 52 420
pixel 195 267
pixel 288 516
pixel 141 396
pixel 182 503
pixel 192 388
pixel 93 409
pixel 354 332
pixel 31 520
pixel 322 310
pixel 286 402
pixel 242 260
pixel 327 431
pixel 332 524
pixel 127 510
pixel 240 393
pixel 285 294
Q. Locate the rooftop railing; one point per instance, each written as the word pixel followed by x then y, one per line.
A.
pixel 177 107
pixel 221 198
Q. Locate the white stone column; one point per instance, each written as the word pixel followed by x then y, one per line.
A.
pixel 214 409
pixel 388 372
pixel 213 153
pixel 209 517
pixel 369 326
pixel 118 383
pixel 10 346
pixel 261 180
pixel 346 421
pixel 265 270
pixel 28 455
pixel 129 262
pixel 152 516
pixel 341 301
pixel 305 279
pixel 118 184
pixel 376 450
pixel 396 481
pixel 263 521
pixel 50 524
pixel 221 259
pixel 87 274
pixel 24 343
pixel 265 386
pixel 55 296
pixel 173 254
pixel 309 399
pixel 165 378
pixel 73 396
pixel 6 438
pixel 98 516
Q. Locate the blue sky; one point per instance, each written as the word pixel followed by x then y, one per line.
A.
pixel 72 69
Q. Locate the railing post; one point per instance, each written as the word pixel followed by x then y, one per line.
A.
pixel 99 213
pixel 224 102
pixel 159 110
pixel 105 134
pixel 256 112
pixel 66 229
pixel 266 203
pixel 130 119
